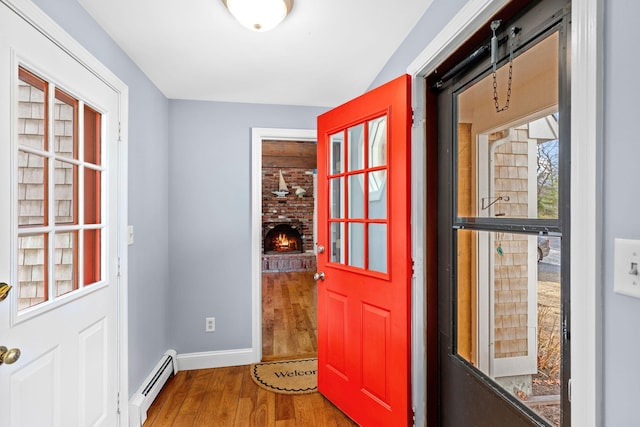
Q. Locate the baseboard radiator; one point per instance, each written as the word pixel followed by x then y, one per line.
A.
pixel 150 388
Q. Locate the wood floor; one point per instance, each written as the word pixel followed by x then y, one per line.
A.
pixel 289 325
pixel 222 397
pixel 229 397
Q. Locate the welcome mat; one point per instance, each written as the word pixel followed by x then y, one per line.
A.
pixel 287 377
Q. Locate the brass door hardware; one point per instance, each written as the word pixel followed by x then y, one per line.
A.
pixel 9 356
pixel 4 290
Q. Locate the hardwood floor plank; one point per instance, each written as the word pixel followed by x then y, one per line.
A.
pixel 324 418
pixel 245 414
pixel 170 388
pixel 340 418
pixel 169 410
pixel 304 411
pixel 289 320
pixel 249 388
pixel 224 412
pixel 265 415
pixel 195 397
pixel 247 403
pixel 210 396
pixel 284 408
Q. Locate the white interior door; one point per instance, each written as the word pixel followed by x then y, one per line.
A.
pixel 58 242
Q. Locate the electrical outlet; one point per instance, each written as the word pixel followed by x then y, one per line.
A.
pixel 210 324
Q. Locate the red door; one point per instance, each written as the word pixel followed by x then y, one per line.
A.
pixel 364 251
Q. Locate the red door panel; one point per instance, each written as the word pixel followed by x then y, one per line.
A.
pixel 364 302
pixel 336 332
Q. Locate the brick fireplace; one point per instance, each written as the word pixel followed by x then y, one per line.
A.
pixel 287 220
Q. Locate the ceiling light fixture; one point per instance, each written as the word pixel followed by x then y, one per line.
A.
pixel 259 15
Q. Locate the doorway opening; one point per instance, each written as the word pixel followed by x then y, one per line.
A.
pixel 288 260
pixel 503 136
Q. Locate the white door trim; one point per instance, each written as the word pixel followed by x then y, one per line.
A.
pixel 257 136
pixel 586 192
pixel 45 25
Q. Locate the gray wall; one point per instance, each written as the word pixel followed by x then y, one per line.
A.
pixel 432 22
pixel 148 190
pixel 621 206
pixel 210 217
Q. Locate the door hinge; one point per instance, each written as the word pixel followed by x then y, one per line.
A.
pixel 569 386
pixel 118 266
pixel 119 132
pixel 413 415
pixel 413 269
pixel 118 403
pixel 417 118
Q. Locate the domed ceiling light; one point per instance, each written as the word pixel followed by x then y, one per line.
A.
pixel 259 15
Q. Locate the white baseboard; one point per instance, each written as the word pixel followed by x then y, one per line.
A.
pixel 217 359
pixel 150 388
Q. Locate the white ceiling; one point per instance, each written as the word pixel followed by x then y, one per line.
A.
pixel 324 53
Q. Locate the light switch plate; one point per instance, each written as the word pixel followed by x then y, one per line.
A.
pixel 626 275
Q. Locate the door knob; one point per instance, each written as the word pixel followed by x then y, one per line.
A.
pixel 320 249
pixel 4 290
pixel 318 276
pixel 9 356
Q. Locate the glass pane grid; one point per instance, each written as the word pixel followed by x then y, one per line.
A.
pixel 359 235
pixel 50 182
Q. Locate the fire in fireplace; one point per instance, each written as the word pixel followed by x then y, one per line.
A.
pixel 282 238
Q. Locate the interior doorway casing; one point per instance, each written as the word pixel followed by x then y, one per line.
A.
pixel 257 136
pixel 586 171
